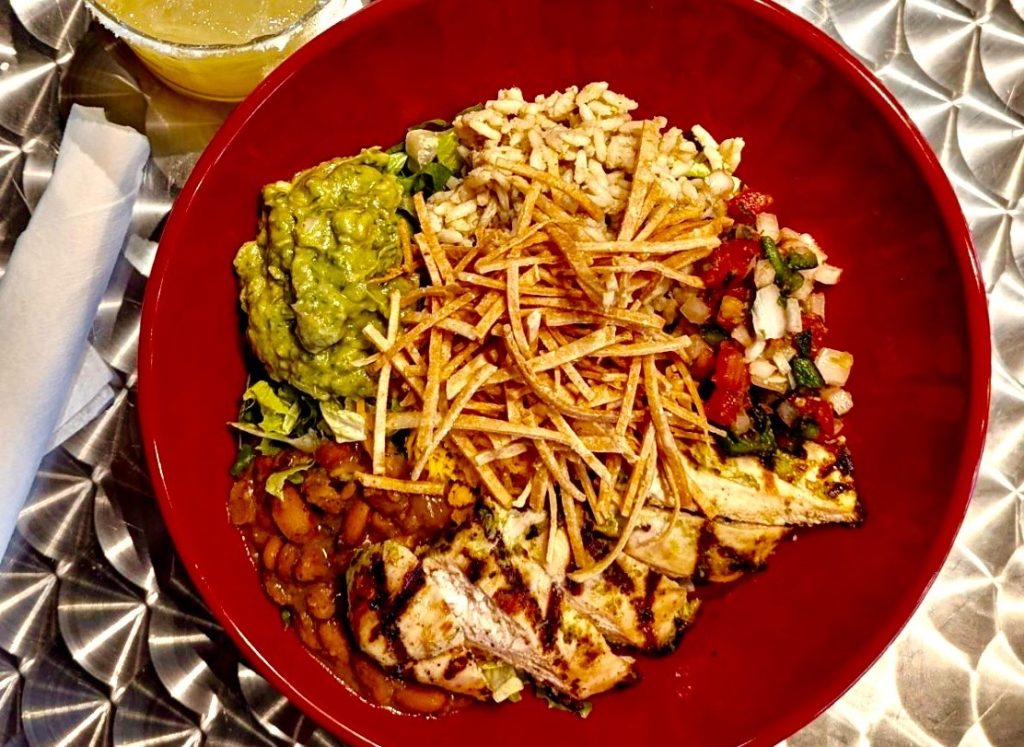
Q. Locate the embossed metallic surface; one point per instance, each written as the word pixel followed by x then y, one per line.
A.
pixel 103 640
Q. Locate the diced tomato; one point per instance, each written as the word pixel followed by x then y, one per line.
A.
pixel 732 385
pixel 817 328
pixel 744 207
pixel 730 262
pixel 820 411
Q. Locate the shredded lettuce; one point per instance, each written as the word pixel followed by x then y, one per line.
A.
pixel 278 417
pixel 275 482
pixel 581 708
pixel 396 162
pixel 344 424
pixel 503 680
pixel 448 151
pixel 307 443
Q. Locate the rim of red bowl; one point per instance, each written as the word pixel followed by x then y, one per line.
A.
pixel 843 63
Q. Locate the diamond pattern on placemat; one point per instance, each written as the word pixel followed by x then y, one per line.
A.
pixel 102 638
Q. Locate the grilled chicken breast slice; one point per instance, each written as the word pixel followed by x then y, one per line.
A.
pixel 819 490
pixel 694 547
pixel 630 603
pixel 565 650
pixel 738 548
pixel 399 618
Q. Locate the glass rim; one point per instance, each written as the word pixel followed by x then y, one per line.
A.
pixel 131 35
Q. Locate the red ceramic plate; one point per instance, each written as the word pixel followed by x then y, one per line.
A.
pixel 843 162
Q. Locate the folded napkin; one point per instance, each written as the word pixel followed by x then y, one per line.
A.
pixel 50 293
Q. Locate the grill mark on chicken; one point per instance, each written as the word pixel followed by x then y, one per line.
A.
pixel 552 620
pixel 391 614
pixel 455 666
pixel 617 577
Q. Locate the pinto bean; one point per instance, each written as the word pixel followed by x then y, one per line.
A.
pixel 375 683
pixel 354 529
pixel 276 590
pixel 286 559
pixel 293 517
pixel 320 601
pixel 317 489
pixel 332 638
pixel 419 699
pixel 270 551
pixel 242 503
pixel 313 564
pixel 306 629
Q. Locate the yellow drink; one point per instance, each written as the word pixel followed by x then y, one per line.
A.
pixel 215 49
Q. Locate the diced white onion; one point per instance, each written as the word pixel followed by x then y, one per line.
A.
pixel 762 368
pixel 695 310
pixel 764 273
pixel 768 225
pixel 816 304
pixel 769 317
pixel 742 336
pixel 808 240
pixel 827 274
pixel 788 412
pixel 775 383
pixel 720 182
pixel 803 292
pixel 794 324
pixel 754 351
pixel 834 366
pixel 841 401
pixel 741 424
pixel 779 359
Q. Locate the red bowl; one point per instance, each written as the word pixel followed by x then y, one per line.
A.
pixel 843 162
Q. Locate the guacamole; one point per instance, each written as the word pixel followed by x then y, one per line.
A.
pixel 304 279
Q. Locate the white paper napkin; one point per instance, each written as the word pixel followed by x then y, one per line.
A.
pixel 51 291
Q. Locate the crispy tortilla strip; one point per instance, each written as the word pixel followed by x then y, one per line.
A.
pixel 643 490
pixel 476 380
pixel 383 385
pixel 554 183
pixel 479 424
pixel 407 338
pixel 577 445
pixel 459 327
pixel 428 243
pixel 629 398
pixel 667 444
pixel 483 471
pixel 432 390
pixel 400 362
pixel 572 527
pixel 506 451
pixel 526 214
pixel 645 348
pixel 393 484
pixel 642 178
pixel 648 456
pixel 655 219
pixel 548 395
pixel 696 248
pixel 584 346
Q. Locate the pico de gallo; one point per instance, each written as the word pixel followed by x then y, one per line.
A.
pixel 768 378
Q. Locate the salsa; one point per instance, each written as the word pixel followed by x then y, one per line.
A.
pixel 308 280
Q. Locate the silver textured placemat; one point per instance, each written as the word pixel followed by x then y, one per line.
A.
pixel 104 641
